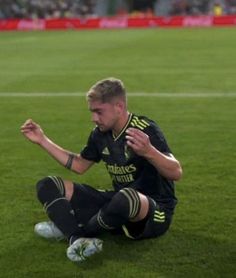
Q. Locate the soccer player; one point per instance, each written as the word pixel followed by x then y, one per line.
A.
pixel 139 161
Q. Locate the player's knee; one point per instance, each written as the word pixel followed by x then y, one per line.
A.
pixel 133 200
pixel 126 202
pixel 49 187
pixel 41 184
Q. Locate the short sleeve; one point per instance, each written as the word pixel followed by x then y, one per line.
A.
pixel 90 151
pixel 157 138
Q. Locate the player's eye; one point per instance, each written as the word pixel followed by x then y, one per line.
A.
pixel 99 112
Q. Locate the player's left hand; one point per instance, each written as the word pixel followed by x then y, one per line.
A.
pixel 138 141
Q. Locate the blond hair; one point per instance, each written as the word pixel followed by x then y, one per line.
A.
pixel 107 90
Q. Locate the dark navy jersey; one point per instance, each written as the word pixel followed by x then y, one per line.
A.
pixel 128 169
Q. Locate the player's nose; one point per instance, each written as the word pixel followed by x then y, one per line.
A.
pixel 94 118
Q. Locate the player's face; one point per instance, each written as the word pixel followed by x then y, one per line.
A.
pixel 104 115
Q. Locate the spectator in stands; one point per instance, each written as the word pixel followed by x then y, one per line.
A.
pixel 230 6
pixel 217 7
pixel 46 8
pixel 86 8
pixel 180 7
pixel 199 7
pixel 140 7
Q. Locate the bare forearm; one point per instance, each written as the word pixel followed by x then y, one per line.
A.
pixel 76 162
pixel 168 166
pixel 33 132
pixel 58 153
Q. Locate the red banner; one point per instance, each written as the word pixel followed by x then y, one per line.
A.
pixel 117 22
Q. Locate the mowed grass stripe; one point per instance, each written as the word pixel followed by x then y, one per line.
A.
pixel 135 94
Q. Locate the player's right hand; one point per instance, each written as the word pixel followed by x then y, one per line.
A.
pixel 32 131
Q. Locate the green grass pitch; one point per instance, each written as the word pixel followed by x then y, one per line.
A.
pixel 199 125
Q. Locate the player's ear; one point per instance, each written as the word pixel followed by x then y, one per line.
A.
pixel 120 105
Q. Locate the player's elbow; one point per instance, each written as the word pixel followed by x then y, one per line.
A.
pixel 78 170
pixel 81 165
pixel 177 175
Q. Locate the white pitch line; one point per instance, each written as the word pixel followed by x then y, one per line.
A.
pixel 134 94
pixel 42 94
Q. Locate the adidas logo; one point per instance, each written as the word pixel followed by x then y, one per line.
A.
pixel 106 151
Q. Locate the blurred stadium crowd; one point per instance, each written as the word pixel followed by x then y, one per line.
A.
pixel 93 8
pixel 45 8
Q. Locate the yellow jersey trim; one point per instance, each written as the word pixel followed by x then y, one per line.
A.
pixel 123 129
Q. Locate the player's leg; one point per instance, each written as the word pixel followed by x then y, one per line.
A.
pixel 53 194
pixel 116 211
pixel 126 205
pixel 59 199
pixel 66 202
pixel 86 202
pixel 156 223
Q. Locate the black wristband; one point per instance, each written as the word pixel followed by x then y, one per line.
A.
pixel 70 160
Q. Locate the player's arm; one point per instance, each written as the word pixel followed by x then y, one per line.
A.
pixel 35 134
pixel 167 165
pixel 72 161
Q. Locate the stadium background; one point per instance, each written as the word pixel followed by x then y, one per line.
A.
pixel 89 8
pixel 184 78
